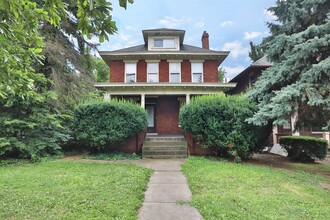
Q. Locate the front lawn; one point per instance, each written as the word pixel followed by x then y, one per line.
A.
pixel 223 190
pixel 72 190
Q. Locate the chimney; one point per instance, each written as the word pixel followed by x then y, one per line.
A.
pixel 205 40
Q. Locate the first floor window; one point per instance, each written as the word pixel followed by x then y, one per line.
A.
pixel 175 72
pixel 152 70
pixel 130 72
pixel 197 72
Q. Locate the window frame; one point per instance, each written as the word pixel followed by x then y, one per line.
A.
pixel 170 72
pixel 148 64
pixel 126 68
pixel 192 70
pixel 163 45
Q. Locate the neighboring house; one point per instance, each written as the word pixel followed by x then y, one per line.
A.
pixel 246 79
pixel 162 74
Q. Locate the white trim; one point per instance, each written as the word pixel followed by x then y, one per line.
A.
pixel 148 71
pixel 169 71
pixel 152 61
pixel 125 73
pixel 196 61
pixel 130 61
pixel 202 77
pixel 174 61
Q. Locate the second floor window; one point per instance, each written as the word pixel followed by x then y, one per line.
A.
pixel 175 72
pixel 164 43
pixel 130 72
pixel 196 72
pixel 152 70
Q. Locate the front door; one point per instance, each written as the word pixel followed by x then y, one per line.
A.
pixel 151 109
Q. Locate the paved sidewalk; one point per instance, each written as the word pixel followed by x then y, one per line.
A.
pixel 166 189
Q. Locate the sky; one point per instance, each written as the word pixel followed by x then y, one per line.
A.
pixel 231 25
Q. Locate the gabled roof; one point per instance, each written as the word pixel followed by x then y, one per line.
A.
pixel 261 63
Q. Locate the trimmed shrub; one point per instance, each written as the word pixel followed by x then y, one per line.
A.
pixel 304 148
pixel 219 121
pixel 102 126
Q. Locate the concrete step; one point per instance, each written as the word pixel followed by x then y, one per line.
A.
pixel 165 152
pixel 165 156
pixel 164 143
pixel 164 148
pixel 164 138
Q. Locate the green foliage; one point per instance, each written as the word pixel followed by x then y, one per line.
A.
pixel 299 80
pixel 304 148
pixel 72 190
pixel 102 70
pixel 219 121
pixel 29 128
pixel 221 74
pixel 105 125
pixel 256 52
pixel 222 190
pixel 112 156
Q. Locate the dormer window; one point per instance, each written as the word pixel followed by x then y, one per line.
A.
pixel 164 43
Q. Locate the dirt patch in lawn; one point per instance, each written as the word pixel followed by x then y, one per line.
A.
pixel 276 161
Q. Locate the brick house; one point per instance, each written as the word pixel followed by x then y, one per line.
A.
pixel 246 79
pixel 162 74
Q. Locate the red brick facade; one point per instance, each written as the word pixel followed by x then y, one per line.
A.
pixel 210 69
pixel 134 144
pixel 117 69
pixel 167 115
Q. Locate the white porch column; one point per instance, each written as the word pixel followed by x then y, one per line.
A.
pixel 143 100
pixel 187 98
pixel 275 131
pixel 326 136
pixel 107 96
pixel 294 119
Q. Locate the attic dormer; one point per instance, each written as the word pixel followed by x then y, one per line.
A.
pixel 163 39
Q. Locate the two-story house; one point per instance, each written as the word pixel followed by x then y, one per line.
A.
pixel 162 74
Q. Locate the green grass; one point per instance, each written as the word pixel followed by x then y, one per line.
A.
pixel 223 190
pixel 311 167
pixel 112 156
pixel 72 190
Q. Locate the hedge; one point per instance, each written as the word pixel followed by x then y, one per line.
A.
pixel 218 121
pixel 304 148
pixel 105 125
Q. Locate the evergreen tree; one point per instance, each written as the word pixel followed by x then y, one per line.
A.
pixel 299 80
pixel 256 52
pixel 221 74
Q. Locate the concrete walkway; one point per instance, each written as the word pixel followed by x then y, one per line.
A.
pixel 166 189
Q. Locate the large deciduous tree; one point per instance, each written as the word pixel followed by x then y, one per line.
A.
pixel 299 81
pixel 30 126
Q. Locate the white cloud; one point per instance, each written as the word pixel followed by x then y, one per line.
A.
pixel 172 22
pixel 251 35
pixel 231 72
pixel 227 23
pixel 131 28
pixel 199 24
pixel 236 49
pixel 270 15
pixel 124 37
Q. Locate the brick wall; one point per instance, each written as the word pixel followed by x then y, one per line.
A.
pixel 117 69
pixel 134 144
pixel 195 149
pixel 185 71
pixel 167 114
pixel 141 71
pixel 164 71
pixel 210 68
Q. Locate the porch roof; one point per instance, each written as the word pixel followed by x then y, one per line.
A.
pixel 164 88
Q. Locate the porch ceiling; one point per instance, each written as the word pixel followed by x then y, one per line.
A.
pixel 164 88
